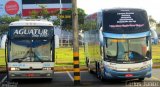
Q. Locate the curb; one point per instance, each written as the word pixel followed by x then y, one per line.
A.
pixel 70 68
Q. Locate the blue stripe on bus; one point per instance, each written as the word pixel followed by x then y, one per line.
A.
pixel 136 35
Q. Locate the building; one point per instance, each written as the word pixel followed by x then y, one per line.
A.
pixel 25 7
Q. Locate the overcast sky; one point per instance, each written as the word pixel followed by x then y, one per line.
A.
pixel 151 6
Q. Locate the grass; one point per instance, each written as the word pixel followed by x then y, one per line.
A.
pixel 64 56
pixel 156 53
pixel 2 55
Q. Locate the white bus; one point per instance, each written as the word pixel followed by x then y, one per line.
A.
pixel 30 49
pixel 118 44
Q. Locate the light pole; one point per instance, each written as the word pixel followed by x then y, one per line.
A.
pixel 75 43
pixel 60 9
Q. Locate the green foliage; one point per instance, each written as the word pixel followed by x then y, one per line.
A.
pixel 56 22
pixel 67 22
pixel 158 28
pixel 151 19
pixel 65 56
pixel 8 19
pixel 42 14
pixel 2 57
pixel 88 25
pixel 5 21
pixel 34 14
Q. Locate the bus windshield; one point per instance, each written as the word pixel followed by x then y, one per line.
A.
pixel 30 51
pixel 127 50
pixel 30 43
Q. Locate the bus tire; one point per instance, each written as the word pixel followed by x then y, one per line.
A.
pixel 49 79
pixel 98 71
pixel 102 76
pixel 87 61
pixel 141 79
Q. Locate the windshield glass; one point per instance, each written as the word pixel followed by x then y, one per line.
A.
pixel 127 50
pixel 30 51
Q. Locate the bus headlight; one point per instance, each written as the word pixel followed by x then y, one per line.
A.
pixel 112 67
pixel 140 68
pixel 13 68
pixel 144 67
pixel 47 68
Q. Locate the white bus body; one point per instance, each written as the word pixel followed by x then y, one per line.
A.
pixel 118 44
pixel 30 49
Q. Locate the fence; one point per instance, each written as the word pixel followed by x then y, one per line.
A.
pixel 66 37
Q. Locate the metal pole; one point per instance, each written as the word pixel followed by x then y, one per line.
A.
pixel 60 9
pixel 75 43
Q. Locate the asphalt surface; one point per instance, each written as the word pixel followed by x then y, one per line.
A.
pixel 65 79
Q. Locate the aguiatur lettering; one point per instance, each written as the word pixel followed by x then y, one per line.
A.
pixel 33 32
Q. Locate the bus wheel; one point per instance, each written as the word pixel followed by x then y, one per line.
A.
pixel 49 79
pixel 98 70
pixel 141 79
pixel 89 70
pixel 102 76
pixel 87 61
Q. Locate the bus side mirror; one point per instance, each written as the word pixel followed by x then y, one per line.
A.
pixel 155 36
pixel 3 41
pixel 101 37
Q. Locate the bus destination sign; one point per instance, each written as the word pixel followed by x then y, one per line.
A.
pixel 31 32
pixel 125 21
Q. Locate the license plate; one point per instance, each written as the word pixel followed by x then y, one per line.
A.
pixel 129 75
pixel 30 75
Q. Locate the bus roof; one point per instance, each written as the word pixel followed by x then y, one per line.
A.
pixel 31 22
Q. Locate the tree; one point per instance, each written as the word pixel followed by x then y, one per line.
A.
pixel 34 14
pixel 158 28
pixel 152 22
pixel 5 21
pixel 43 13
pixel 151 19
pixel 67 22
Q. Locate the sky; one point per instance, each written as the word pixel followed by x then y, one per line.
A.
pixel 151 6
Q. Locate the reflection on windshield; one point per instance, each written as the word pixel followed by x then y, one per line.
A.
pixel 23 53
pixel 130 50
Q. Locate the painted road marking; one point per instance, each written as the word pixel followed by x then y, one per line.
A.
pixel 155 78
pixel 4 79
pixel 70 76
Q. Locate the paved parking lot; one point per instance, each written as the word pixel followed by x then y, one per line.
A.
pixel 65 79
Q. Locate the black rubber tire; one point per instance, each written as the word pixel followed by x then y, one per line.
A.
pixel 141 79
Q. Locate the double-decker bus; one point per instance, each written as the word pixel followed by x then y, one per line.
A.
pixel 118 44
pixel 30 49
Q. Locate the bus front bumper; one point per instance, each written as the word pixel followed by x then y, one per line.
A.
pixel 113 74
pixel 30 74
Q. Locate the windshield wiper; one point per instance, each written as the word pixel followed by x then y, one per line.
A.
pixel 37 57
pixel 19 59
